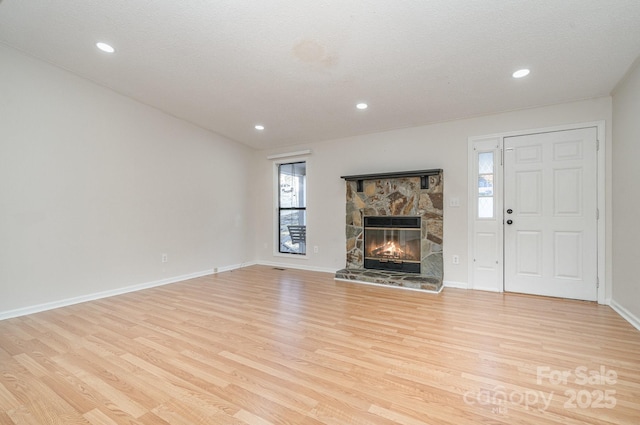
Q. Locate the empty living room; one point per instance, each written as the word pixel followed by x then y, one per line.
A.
pixel 319 212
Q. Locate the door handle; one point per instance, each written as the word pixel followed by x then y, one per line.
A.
pixel 509 221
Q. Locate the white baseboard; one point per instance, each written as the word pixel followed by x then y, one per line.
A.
pixel 104 294
pixel 295 266
pixel 626 314
pixel 110 293
pixel 452 284
pixel 234 267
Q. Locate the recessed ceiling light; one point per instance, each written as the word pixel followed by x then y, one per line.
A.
pixel 105 47
pixel 362 106
pixel 521 73
pixel 259 127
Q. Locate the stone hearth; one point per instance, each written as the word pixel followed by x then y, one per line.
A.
pixel 383 277
pixel 414 193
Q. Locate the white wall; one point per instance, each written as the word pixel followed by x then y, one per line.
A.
pixel 626 190
pixel 441 145
pixel 95 186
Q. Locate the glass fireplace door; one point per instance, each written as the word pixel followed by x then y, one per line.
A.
pixel 388 246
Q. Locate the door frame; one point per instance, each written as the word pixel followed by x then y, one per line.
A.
pixel 498 139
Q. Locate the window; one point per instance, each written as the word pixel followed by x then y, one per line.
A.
pixel 485 185
pixel 292 208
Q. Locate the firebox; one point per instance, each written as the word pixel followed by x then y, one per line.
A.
pixel 392 243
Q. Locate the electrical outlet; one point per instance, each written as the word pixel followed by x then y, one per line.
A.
pixel 455 259
pixel 315 249
pixel 215 270
pixel 165 258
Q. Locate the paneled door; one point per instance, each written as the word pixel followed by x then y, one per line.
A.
pixel 550 214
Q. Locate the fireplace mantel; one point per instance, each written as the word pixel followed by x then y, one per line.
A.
pixel 396 174
pixel 423 174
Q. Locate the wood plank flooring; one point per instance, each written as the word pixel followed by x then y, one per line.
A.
pixel 264 346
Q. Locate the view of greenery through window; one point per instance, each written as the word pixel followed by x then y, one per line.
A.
pixel 292 207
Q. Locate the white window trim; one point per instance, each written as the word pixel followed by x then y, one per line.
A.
pixel 275 219
pixel 476 145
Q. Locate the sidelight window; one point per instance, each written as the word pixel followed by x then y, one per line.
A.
pixel 485 185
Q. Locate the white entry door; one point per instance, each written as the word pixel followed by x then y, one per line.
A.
pixel 550 214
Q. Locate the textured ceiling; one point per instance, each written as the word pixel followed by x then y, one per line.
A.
pixel 299 66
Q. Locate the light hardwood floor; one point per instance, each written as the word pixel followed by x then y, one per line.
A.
pixel 265 346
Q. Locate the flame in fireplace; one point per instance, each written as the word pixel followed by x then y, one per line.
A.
pixel 389 249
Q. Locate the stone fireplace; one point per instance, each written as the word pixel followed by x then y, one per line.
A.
pixel 394 229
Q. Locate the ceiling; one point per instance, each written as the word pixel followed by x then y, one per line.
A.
pixel 299 67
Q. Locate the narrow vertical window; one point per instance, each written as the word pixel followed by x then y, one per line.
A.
pixel 485 185
pixel 292 208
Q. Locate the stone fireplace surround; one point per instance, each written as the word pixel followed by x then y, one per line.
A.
pixel 406 193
